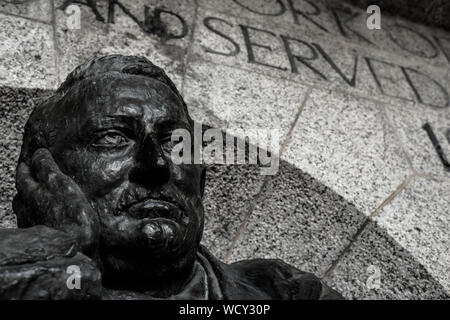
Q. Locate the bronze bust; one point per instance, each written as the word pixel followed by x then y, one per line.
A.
pixel 97 190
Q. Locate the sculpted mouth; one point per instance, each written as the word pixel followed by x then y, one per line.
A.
pixel 154 208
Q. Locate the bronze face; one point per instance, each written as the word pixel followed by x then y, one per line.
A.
pixel 96 164
pixel 112 137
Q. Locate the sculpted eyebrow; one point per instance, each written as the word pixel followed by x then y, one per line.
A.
pixel 111 122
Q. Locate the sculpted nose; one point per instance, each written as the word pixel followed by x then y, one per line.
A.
pixel 151 168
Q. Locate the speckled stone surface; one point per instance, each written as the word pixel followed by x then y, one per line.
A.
pixel 433 13
pixel 353 145
pixel 27 53
pixel 397 35
pixel 320 18
pixel 326 61
pixel 124 36
pixel 376 255
pixel 348 144
pixel 241 101
pixel 229 194
pixel 300 220
pixel 209 43
pixel 409 120
pixel 419 220
pixel 15 107
pixel 40 10
pixel 277 14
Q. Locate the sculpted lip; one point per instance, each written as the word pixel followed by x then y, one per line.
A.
pixel 153 208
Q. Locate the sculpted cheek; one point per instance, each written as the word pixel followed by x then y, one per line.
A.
pixel 107 170
pixel 96 175
pixel 108 174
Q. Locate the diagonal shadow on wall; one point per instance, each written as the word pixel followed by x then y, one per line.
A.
pixel 295 218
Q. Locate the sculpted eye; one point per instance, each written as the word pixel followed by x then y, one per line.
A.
pixel 110 139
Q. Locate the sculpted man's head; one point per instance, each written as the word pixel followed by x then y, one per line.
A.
pixel 108 128
pixel 96 163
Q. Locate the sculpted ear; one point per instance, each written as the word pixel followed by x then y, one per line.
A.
pixel 202 181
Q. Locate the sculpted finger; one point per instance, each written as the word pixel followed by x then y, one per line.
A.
pixel 84 235
pixel 45 167
pixel 25 181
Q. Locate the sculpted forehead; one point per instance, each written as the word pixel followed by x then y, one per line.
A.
pixel 137 96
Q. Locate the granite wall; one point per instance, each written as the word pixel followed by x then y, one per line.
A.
pixel 361 197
